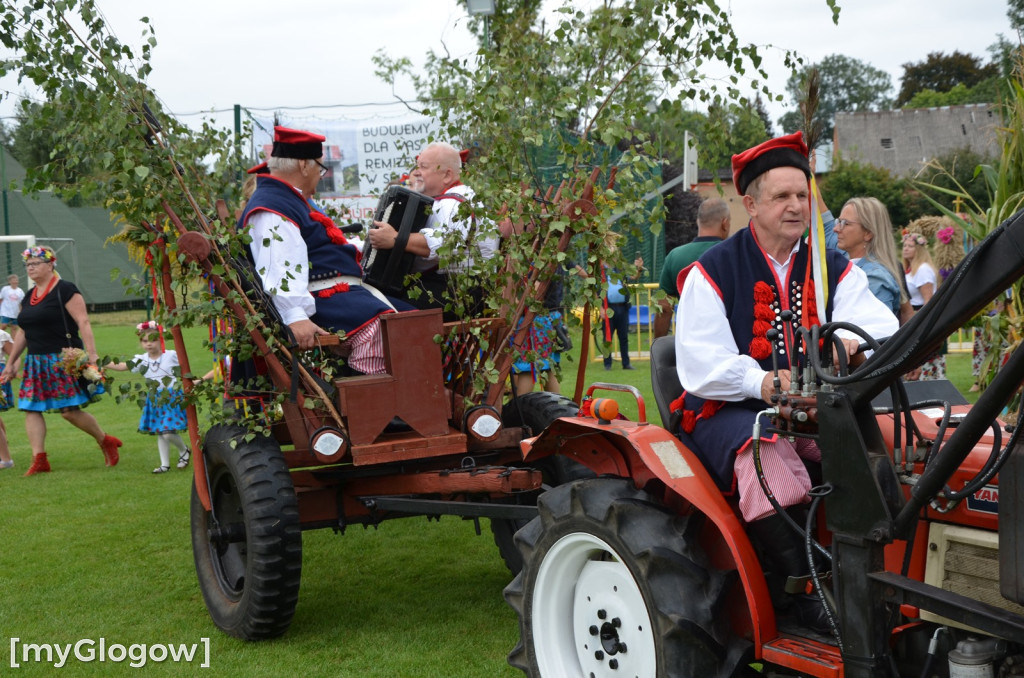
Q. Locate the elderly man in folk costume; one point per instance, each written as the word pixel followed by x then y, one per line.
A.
pixel 306 264
pixel 438 174
pixel 729 300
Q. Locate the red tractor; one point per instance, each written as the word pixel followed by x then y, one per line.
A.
pixel 632 560
pixel 429 437
pixel 646 569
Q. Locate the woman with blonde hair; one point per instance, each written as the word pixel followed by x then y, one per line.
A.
pixel 864 231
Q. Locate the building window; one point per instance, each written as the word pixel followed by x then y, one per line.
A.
pixel 886 143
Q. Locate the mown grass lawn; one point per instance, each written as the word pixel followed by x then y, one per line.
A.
pixel 89 552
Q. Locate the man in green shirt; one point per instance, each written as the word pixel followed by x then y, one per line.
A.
pixel 712 228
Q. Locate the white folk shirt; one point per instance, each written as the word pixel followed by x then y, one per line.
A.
pixel 282 262
pixel 160 370
pixel 710 364
pixel 443 221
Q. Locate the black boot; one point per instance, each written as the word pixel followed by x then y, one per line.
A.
pixel 782 554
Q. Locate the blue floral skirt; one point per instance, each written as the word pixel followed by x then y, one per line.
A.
pixel 46 387
pixel 164 412
pixel 6 394
pixel 541 341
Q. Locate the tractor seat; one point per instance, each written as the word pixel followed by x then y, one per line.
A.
pixel 665 379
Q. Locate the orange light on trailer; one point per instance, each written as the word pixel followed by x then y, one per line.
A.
pixel 605 409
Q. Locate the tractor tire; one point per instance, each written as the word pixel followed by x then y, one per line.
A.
pixel 248 551
pixel 613 584
pixel 536 410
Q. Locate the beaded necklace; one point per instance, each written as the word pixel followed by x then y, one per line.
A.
pixel 36 298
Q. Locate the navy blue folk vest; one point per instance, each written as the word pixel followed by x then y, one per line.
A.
pixel 733 267
pixel 346 311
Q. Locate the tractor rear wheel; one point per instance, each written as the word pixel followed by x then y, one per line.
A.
pixel 536 410
pixel 248 550
pixel 613 585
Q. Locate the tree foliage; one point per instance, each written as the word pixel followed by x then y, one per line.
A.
pixel 575 88
pixel 851 179
pixel 940 72
pixel 564 94
pixel 985 92
pixel 848 85
pixel 743 127
pixel 35 144
pixel 949 173
pixel 98 131
pixel 1003 179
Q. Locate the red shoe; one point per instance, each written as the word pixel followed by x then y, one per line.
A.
pixel 39 465
pixel 109 447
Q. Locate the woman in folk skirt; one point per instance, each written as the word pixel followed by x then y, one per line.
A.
pixel 54 318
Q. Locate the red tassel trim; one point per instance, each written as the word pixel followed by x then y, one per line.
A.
pixel 810 306
pixel 689 421
pixel 760 348
pixel 764 295
pixel 331 291
pixel 710 408
pixel 764 313
pixel 333 232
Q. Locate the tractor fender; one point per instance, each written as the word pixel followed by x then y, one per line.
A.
pixel 644 452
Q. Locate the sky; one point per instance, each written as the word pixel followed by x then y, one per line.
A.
pixel 267 55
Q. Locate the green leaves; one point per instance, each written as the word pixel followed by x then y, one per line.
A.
pixel 98 136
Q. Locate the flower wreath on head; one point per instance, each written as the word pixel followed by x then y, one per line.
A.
pixel 151 327
pixel 915 238
pixel 46 254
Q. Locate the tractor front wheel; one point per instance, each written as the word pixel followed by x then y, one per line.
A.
pixel 248 549
pixel 612 585
pixel 536 410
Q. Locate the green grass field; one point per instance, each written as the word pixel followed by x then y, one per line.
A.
pixel 89 552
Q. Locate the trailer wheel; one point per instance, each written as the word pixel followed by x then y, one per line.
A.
pixel 536 410
pixel 248 552
pixel 612 586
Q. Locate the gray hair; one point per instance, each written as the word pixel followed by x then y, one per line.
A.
pixel 754 187
pixel 711 212
pixel 283 164
pixel 449 155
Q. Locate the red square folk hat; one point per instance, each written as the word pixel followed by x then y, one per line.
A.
pixel 787 151
pixel 294 143
pixel 258 169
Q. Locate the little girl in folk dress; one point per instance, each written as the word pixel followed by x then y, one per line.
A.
pixel 163 415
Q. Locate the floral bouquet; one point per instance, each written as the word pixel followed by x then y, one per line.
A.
pixel 76 365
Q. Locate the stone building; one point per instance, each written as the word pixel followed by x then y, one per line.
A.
pixel 902 141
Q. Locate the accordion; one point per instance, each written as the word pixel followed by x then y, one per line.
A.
pixel 407 211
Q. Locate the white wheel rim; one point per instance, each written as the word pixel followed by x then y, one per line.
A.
pixel 598 626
